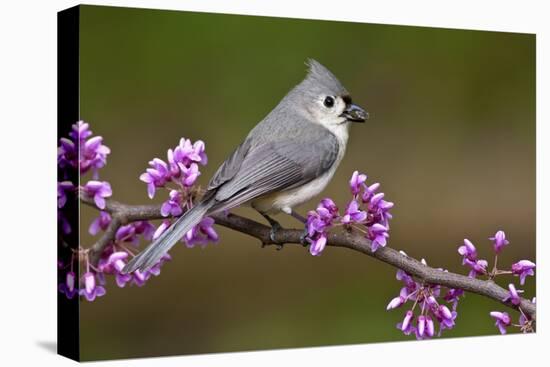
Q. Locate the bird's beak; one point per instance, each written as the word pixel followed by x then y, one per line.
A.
pixel 355 113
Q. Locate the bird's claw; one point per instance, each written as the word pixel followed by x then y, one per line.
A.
pixel 275 227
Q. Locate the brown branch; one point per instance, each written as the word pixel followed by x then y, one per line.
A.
pixel 122 214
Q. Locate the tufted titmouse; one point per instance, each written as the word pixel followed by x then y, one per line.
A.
pixel 287 159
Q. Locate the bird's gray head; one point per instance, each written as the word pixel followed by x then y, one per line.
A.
pixel 321 98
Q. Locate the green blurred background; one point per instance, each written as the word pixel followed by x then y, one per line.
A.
pixel 451 138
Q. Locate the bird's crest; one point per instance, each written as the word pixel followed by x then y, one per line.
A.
pixel 320 76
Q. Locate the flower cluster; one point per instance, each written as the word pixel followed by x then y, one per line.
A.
pixel 522 269
pixel 202 233
pixel 63 189
pixel 182 167
pixel 424 297
pixel 113 258
pixel 115 262
pixel 83 153
pixel 367 212
pixel 469 258
pixel 503 321
pixel 427 311
pixel 178 174
pixel 318 223
pixel 86 152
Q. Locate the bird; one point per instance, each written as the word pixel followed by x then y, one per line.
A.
pixel 286 159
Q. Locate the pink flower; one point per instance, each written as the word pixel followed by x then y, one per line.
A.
pixel 513 295
pixel 98 191
pixel 356 182
pixel 91 290
pixel 523 268
pixel 499 241
pixel 503 320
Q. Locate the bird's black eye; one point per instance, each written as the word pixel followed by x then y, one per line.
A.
pixel 329 102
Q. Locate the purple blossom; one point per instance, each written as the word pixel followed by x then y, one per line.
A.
pixel 317 223
pixel 156 176
pixel 424 298
pixel 378 217
pixel 100 223
pixel 155 269
pixel 67 154
pixel 144 228
pixel 430 327
pixel 396 302
pixel 189 174
pixel 421 328
pixel 502 320
pixel 200 150
pixel 91 290
pixel 369 192
pixel 499 241
pixel 63 223
pixel 186 152
pixel 468 250
pixel 330 207
pixel 318 244
pixel 62 189
pixel 80 131
pixel 93 155
pixel 356 182
pixel 182 167
pixel 130 232
pixel 445 317
pixel 82 151
pixel 172 206
pixel 523 268
pixel 114 265
pixel 140 277
pixel 378 234
pixel 374 217
pixel 513 295
pixel 477 267
pixel 126 233
pixel 172 164
pixel 68 288
pixel 453 295
pixel 403 276
pixel 353 214
pixel 202 233
pixel 406 326
pixel 99 191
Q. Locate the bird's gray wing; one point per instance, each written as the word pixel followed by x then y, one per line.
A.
pixel 230 167
pixel 277 166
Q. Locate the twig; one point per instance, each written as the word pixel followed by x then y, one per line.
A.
pixel 123 213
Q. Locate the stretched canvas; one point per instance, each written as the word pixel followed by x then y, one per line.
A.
pixel 425 229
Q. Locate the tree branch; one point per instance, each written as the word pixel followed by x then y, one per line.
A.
pixel 122 214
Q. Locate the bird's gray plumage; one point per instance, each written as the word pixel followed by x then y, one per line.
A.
pixel 278 165
pixel 275 156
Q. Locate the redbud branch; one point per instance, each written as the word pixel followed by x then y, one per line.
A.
pixel 123 213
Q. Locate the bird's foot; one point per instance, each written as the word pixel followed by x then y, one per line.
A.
pixel 275 227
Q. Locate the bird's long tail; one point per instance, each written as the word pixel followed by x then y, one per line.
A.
pixel 152 254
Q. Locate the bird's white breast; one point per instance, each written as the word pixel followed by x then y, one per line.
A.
pixel 286 200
